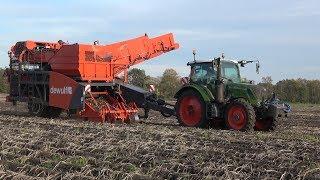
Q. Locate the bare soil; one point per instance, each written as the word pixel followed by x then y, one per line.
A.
pixel 157 148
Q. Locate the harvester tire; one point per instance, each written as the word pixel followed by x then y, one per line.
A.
pixel 191 110
pixel 35 109
pixel 266 124
pixel 51 112
pixel 40 110
pixel 240 115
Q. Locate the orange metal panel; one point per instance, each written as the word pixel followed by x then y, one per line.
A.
pixel 61 90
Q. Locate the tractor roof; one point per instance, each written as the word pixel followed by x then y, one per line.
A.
pixel 204 62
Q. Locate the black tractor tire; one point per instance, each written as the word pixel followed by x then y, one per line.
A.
pixel 191 110
pixel 240 115
pixel 266 124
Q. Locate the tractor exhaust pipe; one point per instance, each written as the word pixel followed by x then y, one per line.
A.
pixel 219 82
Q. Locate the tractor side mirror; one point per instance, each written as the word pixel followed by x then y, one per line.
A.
pixel 258 67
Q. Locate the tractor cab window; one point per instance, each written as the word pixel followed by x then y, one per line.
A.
pixel 230 71
pixel 203 73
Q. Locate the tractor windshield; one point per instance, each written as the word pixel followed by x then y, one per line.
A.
pixel 207 73
pixel 230 71
pixel 203 73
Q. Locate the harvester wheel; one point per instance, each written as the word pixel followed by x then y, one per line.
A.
pixel 35 109
pixel 240 116
pixel 38 109
pixel 266 124
pixel 191 111
pixel 51 112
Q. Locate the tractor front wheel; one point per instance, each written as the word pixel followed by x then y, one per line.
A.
pixel 240 116
pixel 191 110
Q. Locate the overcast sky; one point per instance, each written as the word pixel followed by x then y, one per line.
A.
pixel 284 35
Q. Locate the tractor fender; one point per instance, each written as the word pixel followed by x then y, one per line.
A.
pixel 202 90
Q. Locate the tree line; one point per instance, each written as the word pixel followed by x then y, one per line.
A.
pixel 165 86
pixel 294 90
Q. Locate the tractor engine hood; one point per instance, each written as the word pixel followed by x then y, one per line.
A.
pixel 252 93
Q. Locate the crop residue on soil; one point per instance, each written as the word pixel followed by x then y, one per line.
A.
pixel 65 148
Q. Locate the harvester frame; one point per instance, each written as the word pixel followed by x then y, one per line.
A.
pixel 83 79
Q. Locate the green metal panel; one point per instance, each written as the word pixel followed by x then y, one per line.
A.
pixel 241 90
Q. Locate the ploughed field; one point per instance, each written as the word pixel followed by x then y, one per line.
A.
pixel 157 148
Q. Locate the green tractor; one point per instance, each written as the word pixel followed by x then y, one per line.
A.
pixel 216 94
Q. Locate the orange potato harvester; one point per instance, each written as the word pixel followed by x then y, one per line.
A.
pixel 82 79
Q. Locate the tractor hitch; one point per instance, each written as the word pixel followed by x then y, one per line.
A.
pixel 146 100
pixel 166 109
pixel 277 108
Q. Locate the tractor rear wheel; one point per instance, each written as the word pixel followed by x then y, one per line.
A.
pixel 191 110
pixel 240 116
pixel 266 124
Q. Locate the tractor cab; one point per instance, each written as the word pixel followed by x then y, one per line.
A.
pixel 206 72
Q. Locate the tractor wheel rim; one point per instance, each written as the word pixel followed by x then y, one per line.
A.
pixel 190 110
pixel 237 117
